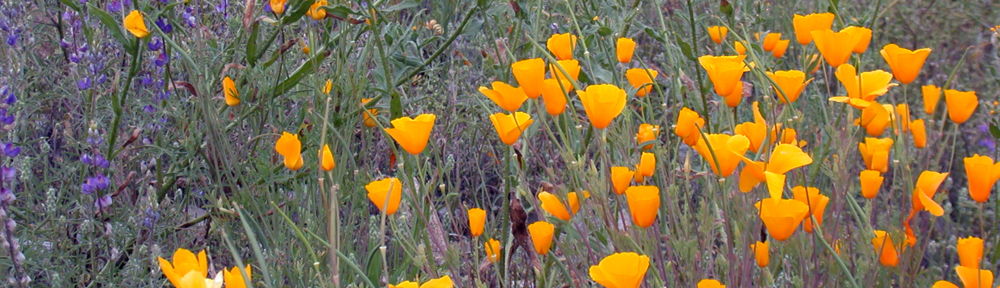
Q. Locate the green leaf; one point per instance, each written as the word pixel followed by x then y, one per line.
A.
pixel 655 35
pixel 995 130
pixel 306 69
pixel 300 10
pixel 685 48
pixel 604 31
pixel 395 105
pixel 474 27
pixel 72 4
pixel 340 11
pixel 726 8
pixel 112 26
pixel 252 44
pixel 401 6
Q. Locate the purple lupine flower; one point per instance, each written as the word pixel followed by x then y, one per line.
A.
pixel 163 95
pixel 86 159
pixel 9 149
pixel 149 109
pixel 115 6
pixel 83 2
pixel 6 119
pixel 12 39
pixel 161 59
pixel 222 7
pixel 94 184
pixel 164 25
pixel 147 80
pixel 94 141
pixel 101 79
pixel 267 7
pixel 156 44
pixel 8 173
pixel 10 99
pixel 6 197
pixel 989 144
pixel 100 162
pixel 74 57
pixel 84 84
pixel 103 202
pixel 83 48
pixel 64 44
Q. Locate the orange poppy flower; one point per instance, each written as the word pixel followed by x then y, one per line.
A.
pixel 804 25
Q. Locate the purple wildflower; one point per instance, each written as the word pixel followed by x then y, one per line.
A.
pixel 161 59
pixel 9 149
pixel 8 173
pixel 84 84
pixel 103 202
pixel 156 44
pixel 164 25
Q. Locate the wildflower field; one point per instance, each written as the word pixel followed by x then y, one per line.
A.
pixel 499 143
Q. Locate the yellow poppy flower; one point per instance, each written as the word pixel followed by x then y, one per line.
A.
pixel 724 71
pixel 572 67
pixel 836 47
pixel 135 25
pixel 931 95
pixel 369 121
pixel 234 279
pixel 970 251
pixel 443 282
pixel 864 36
pixel 643 203
pixel 875 118
pixel 710 283
pixel 328 86
pixel 554 95
pixel 875 152
pixel 923 194
pixel 755 131
pixel 780 48
pixel 602 102
pixel 688 126
pixel 816 202
pixel 784 158
pixel 728 151
pixel 184 262
pixel 326 158
pixel 552 204
pixel 781 216
pixel 316 12
pixel 640 80
pixel 562 45
pixel 290 149
pixel 885 248
pixel 871 182
pixel 919 132
pixel 647 164
pixel 761 253
pixel 647 133
pixel 379 190
pixel 404 284
pixel 510 126
pixel 982 174
pixel 621 177
pixel 771 41
pixel 412 133
pixel 740 49
pixel 863 89
pixel 961 104
pixel 477 219
pixel 620 270
pixel 625 47
pixel 792 82
pixel 902 118
pixel 717 33
pixel 278 6
pixel 492 250
pixel 541 236
pixel 529 74
pixel 507 97
pixel 229 90
pixel 804 25
pixel 905 63
pixel 734 99
pixel 974 278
